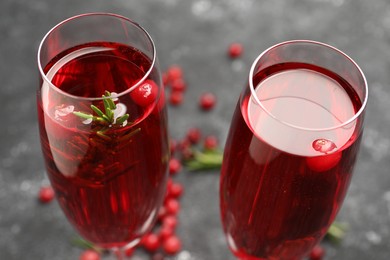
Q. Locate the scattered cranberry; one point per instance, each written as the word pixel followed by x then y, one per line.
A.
pixel 193 135
pixel 176 98
pixel 184 144
pixel 151 242
pixel 172 206
pixel 210 142
pixel 174 72
pixel 129 251
pixel 178 85
pixel 165 79
pixel 162 212
pixel 172 245
pixel 174 166
pixel 90 255
pixel 207 101
pixel 172 145
pixel 235 50
pixel 175 190
pixel 165 232
pixel 187 153
pixel 170 221
pixel 46 194
pixel 317 253
pixel 145 94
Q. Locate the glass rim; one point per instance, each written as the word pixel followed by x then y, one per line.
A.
pixel 345 123
pixel 120 17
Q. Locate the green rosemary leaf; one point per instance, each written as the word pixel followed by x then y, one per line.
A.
pixel 84 244
pixel 83 115
pixel 106 104
pixel 336 232
pixel 129 135
pixel 120 120
pixel 111 103
pixel 205 160
pixel 103 135
pixel 97 111
pixel 110 114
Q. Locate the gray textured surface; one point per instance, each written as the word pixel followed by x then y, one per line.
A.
pixel 195 34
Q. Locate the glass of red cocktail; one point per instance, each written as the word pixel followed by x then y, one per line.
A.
pixel 103 126
pixel 291 150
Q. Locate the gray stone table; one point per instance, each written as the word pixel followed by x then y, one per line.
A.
pixel 194 34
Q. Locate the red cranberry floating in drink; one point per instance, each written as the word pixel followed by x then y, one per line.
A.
pixel 145 94
pixel 323 145
pixel 324 162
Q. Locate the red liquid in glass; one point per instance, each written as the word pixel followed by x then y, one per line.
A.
pixel 277 201
pixel 110 187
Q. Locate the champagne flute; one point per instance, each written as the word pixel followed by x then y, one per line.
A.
pixel 291 150
pixel 103 127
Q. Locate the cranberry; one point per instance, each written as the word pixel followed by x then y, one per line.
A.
pixel 178 85
pixel 175 190
pixel 151 242
pixel 235 50
pixel 165 232
pixel 46 194
pixel 90 255
pixel 165 79
pixel 172 206
pixel 169 221
pixel 176 98
pixel 174 166
pixel 317 253
pixel 162 212
pixel 194 135
pixel 185 144
pixel 207 101
pixel 172 245
pixel 172 145
pixel 210 142
pixel 187 153
pixel 174 72
pixel 145 94
pixel 324 162
pixel 129 251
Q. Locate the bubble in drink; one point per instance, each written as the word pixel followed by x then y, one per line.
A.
pixel 323 145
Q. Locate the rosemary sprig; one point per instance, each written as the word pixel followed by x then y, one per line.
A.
pixel 84 244
pixel 336 232
pixel 107 117
pixel 205 160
